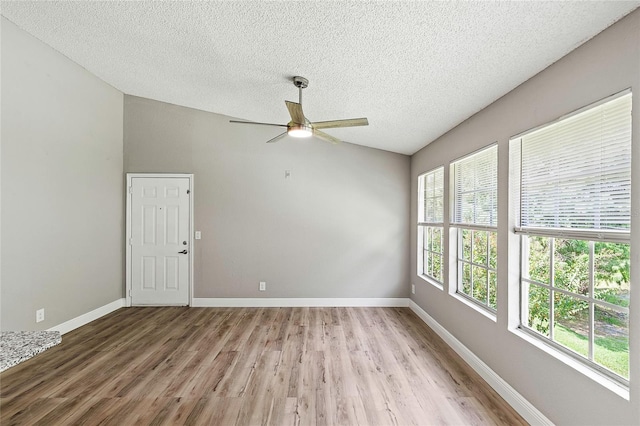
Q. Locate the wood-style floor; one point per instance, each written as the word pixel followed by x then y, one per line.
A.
pixel 251 366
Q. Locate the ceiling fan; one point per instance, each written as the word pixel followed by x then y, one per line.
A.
pixel 300 126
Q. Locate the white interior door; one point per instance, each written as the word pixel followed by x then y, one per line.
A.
pixel 159 240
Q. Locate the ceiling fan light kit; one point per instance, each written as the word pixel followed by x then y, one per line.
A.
pixel 300 131
pixel 300 126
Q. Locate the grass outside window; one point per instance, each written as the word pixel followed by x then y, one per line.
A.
pixel 576 294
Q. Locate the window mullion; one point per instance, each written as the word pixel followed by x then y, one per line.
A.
pixel 426 251
pixel 473 249
pixel 591 296
pixel 459 260
pixel 524 263
pixel 425 247
pixel 552 284
pixel 431 253
pixel 486 260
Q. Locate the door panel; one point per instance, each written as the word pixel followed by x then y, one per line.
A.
pixel 148 273
pixel 160 241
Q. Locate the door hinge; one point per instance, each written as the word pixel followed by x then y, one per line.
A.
pixel 130 241
pixel 131 190
pixel 188 191
pixel 129 293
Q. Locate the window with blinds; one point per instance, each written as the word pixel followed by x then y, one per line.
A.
pixel 576 173
pixel 431 196
pixel 430 224
pixel 475 218
pixel 574 194
pixel 476 188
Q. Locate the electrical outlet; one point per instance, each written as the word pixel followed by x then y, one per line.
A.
pixel 413 289
pixel 40 315
pixel 263 286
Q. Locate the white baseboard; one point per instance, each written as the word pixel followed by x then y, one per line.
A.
pixel 270 302
pixel 530 413
pixel 83 319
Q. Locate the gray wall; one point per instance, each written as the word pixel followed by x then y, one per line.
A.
pixel 62 215
pixel 338 227
pixel 603 66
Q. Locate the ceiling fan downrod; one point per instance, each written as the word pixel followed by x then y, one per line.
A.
pixel 300 83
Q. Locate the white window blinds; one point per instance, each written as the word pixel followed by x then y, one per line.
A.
pixel 475 188
pixel 576 173
pixel 431 196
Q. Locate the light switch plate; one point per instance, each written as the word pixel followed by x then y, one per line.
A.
pixel 198 235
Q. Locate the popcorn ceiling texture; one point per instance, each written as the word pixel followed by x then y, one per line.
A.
pixel 415 69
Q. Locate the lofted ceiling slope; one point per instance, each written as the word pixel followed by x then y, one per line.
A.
pixel 415 69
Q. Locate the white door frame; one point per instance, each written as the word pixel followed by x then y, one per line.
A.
pixel 128 250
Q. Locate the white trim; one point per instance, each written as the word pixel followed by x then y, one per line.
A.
pixel 530 413
pixel 127 242
pixel 389 302
pixel 84 319
pixel 192 242
pixel 192 247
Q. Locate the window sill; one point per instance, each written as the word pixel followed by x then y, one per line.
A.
pixel 483 311
pixel 431 281
pixel 615 387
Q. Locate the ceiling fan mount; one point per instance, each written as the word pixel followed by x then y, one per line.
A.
pixel 300 82
pixel 300 126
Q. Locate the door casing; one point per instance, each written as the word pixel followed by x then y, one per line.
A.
pixel 128 251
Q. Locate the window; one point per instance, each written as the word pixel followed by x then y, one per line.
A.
pixel 475 219
pixel 430 229
pixel 574 221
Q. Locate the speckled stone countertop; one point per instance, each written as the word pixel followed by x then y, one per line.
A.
pixel 18 346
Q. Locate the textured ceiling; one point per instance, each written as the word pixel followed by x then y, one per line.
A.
pixel 415 69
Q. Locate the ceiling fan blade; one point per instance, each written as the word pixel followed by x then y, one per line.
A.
pixel 277 138
pixel 255 122
pixel 350 122
pixel 295 111
pixel 326 137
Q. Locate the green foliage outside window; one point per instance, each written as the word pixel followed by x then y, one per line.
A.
pixel 571 272
pixel 479 258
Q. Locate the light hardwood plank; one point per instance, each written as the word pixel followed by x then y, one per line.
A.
pixel 251 366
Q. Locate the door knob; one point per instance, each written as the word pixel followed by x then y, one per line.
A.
pixel 182 252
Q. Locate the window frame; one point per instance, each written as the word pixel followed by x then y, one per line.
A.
pixel 425 226
pixel 458 228
pixel 589 298
pixel 591 237
pixel 489 270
